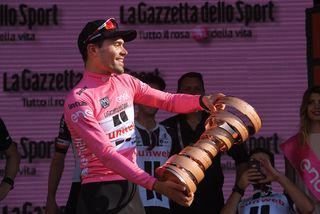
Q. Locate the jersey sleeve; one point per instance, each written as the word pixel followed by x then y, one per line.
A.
pixel 178 103
pixel 5 139
pixel 83 125
pixel 63 141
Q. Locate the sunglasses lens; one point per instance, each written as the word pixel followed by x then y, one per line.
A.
pixel 111 24
pixel 108 25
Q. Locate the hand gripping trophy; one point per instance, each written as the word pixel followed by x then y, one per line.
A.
pixel 231 122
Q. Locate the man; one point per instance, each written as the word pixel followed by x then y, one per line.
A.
pixel 62 143
pixel 154 143
pixel 9 148
pixel 100 116
pixel 264 200
pixel 189 127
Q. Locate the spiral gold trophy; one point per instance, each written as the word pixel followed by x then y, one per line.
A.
pixel 230 125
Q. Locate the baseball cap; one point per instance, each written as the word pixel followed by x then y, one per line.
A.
pixel 102 29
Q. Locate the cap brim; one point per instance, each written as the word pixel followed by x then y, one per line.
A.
pixel 126 35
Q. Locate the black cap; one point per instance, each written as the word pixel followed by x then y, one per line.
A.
pixel 88 35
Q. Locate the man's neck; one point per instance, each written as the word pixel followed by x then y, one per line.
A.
pixel 91 67
pixel 193 119
pixel 147 121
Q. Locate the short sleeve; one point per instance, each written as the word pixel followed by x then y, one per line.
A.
pixel 5 139
pixel 63 140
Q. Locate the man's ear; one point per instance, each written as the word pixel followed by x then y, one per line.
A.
pixel 91 49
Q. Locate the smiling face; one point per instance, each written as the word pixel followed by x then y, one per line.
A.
pixel 109 58
pixel 313 108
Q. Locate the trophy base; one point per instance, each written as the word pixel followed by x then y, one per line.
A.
pixel 177 175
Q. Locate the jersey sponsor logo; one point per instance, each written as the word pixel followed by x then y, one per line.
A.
pixel 121 132
pixel 81 90
pixel 80 145
pixel 62 143
pixel 85 172
pixel 275 199
pixel 122 141
pixel 85 114
pixel 77 104
pixel 116 110
pixel 105 102
pixel 120 118
pixel 152 153
pixel 122 97
pixel 84 161
pixel 164 140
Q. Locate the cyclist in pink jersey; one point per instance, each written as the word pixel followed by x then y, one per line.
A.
pixel 100 116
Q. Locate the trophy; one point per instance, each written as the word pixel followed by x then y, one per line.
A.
pixel 228 125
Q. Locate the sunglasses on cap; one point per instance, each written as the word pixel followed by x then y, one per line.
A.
pixel 110 24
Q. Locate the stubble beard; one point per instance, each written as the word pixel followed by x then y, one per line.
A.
pixel 118 70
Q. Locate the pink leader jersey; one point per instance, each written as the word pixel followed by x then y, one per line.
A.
pixel 99 112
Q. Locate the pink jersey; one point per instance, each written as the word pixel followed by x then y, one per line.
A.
pixel 99 112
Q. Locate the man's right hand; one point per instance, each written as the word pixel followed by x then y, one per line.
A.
pixel 174 191
pixel 250 176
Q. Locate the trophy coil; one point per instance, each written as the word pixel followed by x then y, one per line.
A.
pixel 225 127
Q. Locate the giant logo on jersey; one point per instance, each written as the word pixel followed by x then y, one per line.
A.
pixel 122 97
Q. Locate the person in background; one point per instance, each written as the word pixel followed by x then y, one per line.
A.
pixel 99 112
pixel 189 127
pixel 302 151
pixel 153 142
pixel 62 144
pixel 9 149
pixel 261 173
